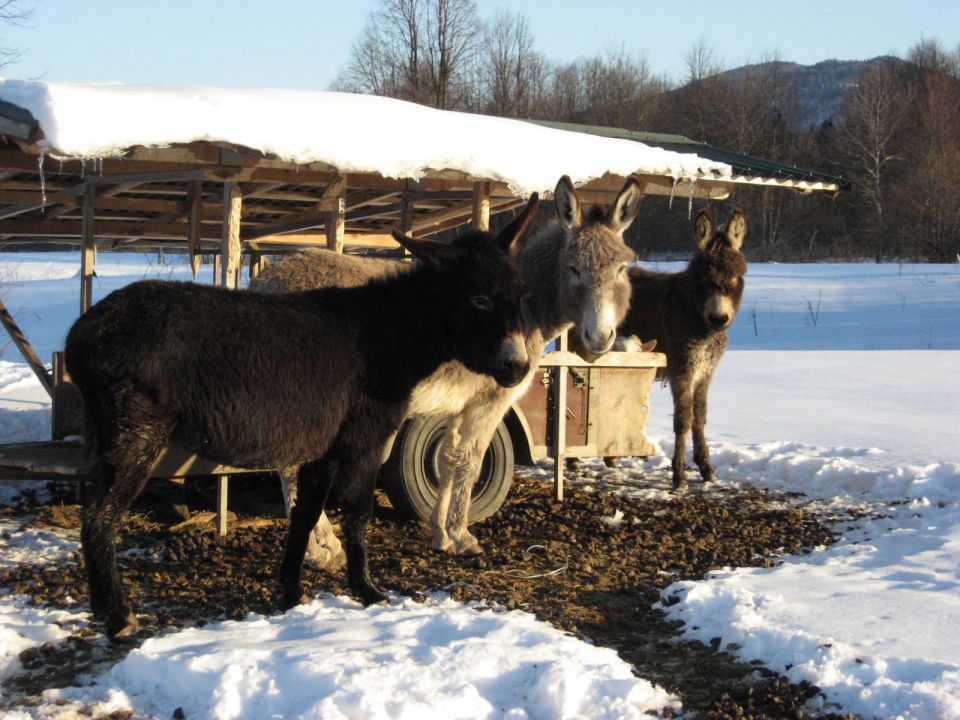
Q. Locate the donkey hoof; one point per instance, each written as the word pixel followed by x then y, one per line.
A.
pixel 443 544
pixel 292 600
pixel 472 549
pixel 122 628
pixel 467 545
pixel 371 596
pixel 327 562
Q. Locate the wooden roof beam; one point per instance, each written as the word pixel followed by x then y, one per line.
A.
pixel 436 221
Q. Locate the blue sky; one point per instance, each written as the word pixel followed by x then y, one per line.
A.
pixel 303 43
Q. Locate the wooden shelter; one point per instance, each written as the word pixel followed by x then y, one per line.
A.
pixel 208 192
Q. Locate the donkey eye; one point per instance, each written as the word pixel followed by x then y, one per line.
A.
pixel 622 269
pixel 574 270
pixel 482 302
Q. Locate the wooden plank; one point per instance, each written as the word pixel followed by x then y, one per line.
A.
pixel 303 221
pixel 105 229
pixel 332 198
pixel 146 177
pixel 560 420
pixel 230 248
pixel 19 209
pixel 480 218
pixel 620 400
pixel 222 482
pixel 611 359
pixel 258 261
pixel 87 251
pixel 26 349
pixel 456 215
pixel 298 241
pixel 194 217
pixel 336 225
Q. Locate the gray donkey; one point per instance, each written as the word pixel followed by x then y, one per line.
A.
pixel 575 268
pixel 688 314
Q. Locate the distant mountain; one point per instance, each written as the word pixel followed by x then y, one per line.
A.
pixel 820 87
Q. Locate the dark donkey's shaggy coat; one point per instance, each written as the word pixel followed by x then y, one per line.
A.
pixel 320 378
pixel 688 314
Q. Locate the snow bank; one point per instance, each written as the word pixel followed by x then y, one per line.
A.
pixel 335 659
pixel 872 620
pixel 353 133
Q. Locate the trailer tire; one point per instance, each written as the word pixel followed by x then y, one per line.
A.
pixel 410 475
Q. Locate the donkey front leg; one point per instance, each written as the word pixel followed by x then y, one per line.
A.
pixel 701 453
pixel 478 425
pixel 351 479
pixel 682 420
pixel 324 551
pixel 449 445
pixel 304 506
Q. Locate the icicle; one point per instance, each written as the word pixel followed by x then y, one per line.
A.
pixel 673 191
pixel 693 182
pixel 43 183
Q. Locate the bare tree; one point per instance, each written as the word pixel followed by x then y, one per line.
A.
pixel 620 90
pixel 510 66
pixel 418 50
pixel 17 13
pixel 874 114
pixel 387 58
pixel 453 36
pixel 703 94
pixel 930 189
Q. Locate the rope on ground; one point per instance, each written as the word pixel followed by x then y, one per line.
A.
pixel 520 574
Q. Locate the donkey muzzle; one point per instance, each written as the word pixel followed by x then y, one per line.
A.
pixel 512 363
pixel 719 311
pixel 719 322
pixel 598 342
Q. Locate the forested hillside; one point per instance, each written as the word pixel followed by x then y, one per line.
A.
pixel 891 126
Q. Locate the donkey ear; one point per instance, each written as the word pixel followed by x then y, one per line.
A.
pixel 736 230
pixel 431 252
pixel 567 203
pixel 625 208
pixel 511 238
pixel 703 229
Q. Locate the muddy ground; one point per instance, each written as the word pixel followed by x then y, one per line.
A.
pixel 562 562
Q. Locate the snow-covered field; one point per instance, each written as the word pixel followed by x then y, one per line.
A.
pixel 840 383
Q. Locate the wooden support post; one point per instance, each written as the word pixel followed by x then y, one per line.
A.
pixel 222 482
pixel 216 269
pixel 407 203
pixel 87 250
pixel 194 215
pixel 26 349
pixel 257 262
pixel 336 225
pixel 481 205
pixel 230 246
pixel 560 420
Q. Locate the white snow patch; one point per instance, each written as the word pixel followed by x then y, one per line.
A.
pixel 352 133
pixel 335 659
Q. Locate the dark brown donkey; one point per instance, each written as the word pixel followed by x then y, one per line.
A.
pixel 688 314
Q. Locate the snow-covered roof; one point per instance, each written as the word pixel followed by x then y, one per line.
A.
pixel 347 132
